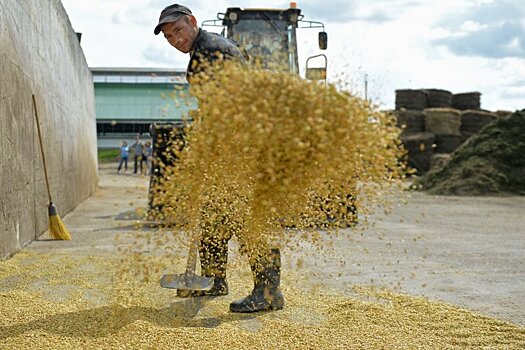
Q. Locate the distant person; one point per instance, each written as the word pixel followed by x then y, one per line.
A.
pixel 148 152
pixel 137 148
pixel 124 154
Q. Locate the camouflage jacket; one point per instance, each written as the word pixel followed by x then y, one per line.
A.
pixel 210 47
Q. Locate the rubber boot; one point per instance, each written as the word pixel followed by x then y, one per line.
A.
pixel 214 257
pixel 266 293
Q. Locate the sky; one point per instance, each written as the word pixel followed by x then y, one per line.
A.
pixel 456 45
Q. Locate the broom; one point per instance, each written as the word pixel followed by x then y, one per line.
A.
pixel 57 230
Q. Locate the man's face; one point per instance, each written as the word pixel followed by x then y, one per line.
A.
pixel 182 33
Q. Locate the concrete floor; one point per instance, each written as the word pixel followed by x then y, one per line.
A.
pixel 466 251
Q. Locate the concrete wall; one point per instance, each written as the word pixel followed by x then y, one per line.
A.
pixel 40 54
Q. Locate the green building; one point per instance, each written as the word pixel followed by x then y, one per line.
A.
pixel 129 100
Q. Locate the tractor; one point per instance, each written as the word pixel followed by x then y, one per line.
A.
pixel 269 36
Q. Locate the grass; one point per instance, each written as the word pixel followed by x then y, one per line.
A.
pixel 107 155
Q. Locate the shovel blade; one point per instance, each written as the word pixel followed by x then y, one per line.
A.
pixel 186 282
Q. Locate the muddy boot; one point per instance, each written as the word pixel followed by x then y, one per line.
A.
pixel 220 287
pixel 214 257
pixel 266 293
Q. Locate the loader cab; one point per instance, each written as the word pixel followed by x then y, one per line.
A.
pixel 269 37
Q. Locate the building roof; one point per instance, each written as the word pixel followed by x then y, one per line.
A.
pixel 138 75
pixel 139 70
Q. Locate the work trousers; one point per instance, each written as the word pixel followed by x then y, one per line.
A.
pixel 123 160
pixel 136 159
pixel 220 222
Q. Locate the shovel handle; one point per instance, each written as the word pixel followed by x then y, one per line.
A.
pixel 192 255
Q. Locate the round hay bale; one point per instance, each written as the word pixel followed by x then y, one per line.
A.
pixel 439 160
pixel 473 121
pixel 466 100
pixel 447 143
pixel 411 99
pixel 420 148
pixel 445 121
pixel 503 114
pixel 437 98
pixel 467 135
pixel 411 120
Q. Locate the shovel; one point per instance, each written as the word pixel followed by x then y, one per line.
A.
pixel 188 281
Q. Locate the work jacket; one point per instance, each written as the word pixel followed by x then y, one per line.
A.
pixel 209 48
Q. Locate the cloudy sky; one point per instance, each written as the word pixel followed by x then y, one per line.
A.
pixel 457 45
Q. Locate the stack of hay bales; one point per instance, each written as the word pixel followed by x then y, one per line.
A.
pixel 491 162
pixel 409 113
pixel 436 122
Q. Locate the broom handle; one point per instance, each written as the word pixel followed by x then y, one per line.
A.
pixel 41 147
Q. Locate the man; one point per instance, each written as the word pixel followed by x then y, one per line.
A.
pixel 180 29
pixel 137 147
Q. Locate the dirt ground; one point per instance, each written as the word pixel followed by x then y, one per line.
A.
pixel 468 252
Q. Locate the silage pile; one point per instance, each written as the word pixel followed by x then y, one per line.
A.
pixel 267 149
pixel 491 162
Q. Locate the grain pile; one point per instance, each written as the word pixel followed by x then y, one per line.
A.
pixel 491 162
pixel 267 148
pixel 70 301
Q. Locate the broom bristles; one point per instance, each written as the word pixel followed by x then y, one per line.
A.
pixel 57 230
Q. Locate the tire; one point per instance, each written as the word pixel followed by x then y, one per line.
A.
pixel 444 121
pixel 447 143
pixel 411 121
pixel 437 98
pixel 420 148
pixel 467 100
pixel 411 99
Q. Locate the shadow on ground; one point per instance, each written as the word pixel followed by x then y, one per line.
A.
pixel 109 319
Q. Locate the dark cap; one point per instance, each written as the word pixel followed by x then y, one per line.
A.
pixel 171 14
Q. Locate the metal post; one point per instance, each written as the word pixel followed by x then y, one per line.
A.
pixel 366 87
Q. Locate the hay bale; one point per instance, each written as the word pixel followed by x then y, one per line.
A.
pixel 410 120
pixel 445 121
pixel 437 98
pixel 446 143
pixel 502 114
pixel 411 99
pixel 467 135
pixel 473 121
pixel 420 148
pixel 466 100
pixel 439 160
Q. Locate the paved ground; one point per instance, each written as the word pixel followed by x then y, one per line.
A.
pixel 466 251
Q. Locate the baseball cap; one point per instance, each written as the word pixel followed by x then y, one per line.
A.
pixel 171 14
